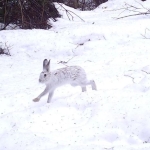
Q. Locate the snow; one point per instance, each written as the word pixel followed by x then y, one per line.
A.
pixel 113 52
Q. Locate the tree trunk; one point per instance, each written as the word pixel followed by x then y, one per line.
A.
pixel 76 4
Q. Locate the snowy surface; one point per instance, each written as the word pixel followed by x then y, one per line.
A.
pixel 113 52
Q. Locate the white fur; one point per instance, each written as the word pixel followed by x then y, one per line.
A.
pixel 73 75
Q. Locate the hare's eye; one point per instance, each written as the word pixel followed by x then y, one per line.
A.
pixel 44 75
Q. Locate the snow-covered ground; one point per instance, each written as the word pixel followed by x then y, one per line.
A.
pixel 113 52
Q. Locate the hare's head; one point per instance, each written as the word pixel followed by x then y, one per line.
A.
pixel 45 74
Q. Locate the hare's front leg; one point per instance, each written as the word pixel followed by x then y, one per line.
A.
pixel 83 88
pixel 42 94
pixel 50 96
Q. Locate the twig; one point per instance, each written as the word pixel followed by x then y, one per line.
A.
pixel 65 62
pixel 68 12
pixel 132 15
pixel 145 36
pixel 130 77
pixel 145 33
pixel 134 9
pixel 143 6
pixel 109 148
pixel 145 71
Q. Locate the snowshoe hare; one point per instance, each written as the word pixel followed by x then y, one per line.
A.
pixel 73 75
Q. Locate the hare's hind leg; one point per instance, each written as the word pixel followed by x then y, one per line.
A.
pixel 83 85
pixel 92 82
pixel 88 82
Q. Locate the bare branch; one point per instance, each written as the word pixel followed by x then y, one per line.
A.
pixel 136 10
pixel 139 14
pixel 68 13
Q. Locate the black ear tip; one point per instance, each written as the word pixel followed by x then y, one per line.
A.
pixel 46 62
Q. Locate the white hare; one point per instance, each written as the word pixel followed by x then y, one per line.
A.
pixel 73 75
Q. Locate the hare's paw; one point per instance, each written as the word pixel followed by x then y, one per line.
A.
pixel 36 100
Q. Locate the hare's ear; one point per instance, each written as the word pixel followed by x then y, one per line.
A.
pixel 46 65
